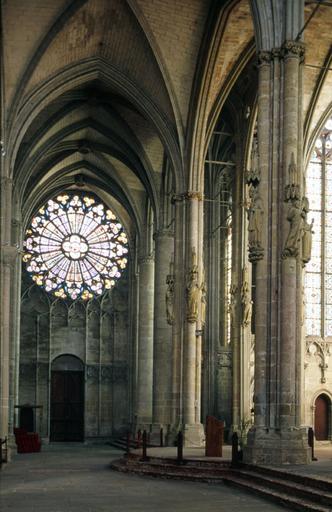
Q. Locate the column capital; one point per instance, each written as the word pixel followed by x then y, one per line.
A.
pixel 293 49
pixel 264 58
pixel 185 196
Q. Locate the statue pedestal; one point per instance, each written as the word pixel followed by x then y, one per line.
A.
pixel 275 447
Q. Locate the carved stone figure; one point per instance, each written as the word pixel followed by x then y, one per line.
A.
pixel 255 225
pixel 294 217
pixel 245 299
pixel 193 291
pixel 203 300
pixel 232 303
pixel 170 299
pixel 307 232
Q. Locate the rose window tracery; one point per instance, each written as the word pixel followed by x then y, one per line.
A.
pixel 75 247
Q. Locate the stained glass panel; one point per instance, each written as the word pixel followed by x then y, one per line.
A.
pixel 319 269
pixel 75 247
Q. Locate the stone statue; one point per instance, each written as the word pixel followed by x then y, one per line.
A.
pixel 307 232
pixel 170 299
pixel 203 300
pixel 232 303
pixel 255 224
pixel 193 291
pixel 295 218
pixel 245 299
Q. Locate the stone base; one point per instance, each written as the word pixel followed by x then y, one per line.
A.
pixel 154 432
pixel 193 435
pixel 275 447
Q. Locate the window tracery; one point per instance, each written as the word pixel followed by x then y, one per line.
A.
pixel 318 279
pixel 75 247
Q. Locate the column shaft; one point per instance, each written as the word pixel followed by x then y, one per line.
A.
pixel 145 342
pixel 162 356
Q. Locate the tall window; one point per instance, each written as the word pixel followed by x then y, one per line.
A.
pixel 318 280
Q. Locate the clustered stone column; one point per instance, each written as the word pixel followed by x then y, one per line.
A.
pixel 9 255
pixel 275 231
pixel 193 429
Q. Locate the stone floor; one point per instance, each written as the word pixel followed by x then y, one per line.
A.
pixel 76 478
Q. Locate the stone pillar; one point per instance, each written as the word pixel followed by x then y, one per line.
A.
pixel 9 255
pixel 274 248
pixel 236 324
pixel 163 321
pixel 145 342
pixel 193 429
pixel 179 312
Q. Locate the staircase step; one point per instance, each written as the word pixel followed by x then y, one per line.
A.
pixel 312 481
pixel 282 498
pixel 284 488
pixel 284 484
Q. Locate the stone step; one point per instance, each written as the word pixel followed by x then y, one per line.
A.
pixel 283 484
pixel 288 489
pixel 312 481
pixel 292 501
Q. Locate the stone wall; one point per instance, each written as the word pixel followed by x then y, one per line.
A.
pixel 318 374
pixel 97 332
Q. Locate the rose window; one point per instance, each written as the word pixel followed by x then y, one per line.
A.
pixel 75 247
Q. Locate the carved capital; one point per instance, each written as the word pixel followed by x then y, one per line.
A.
pixel 264 58
pixel 293 49
pixel 186 196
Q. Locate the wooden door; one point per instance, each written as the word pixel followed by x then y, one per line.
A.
pixel 322 418
pixel 67 406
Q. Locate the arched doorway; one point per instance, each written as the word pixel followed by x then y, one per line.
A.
pixel 322 409
pixel 67 399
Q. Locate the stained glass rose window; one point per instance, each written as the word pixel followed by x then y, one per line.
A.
pixel 75 247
